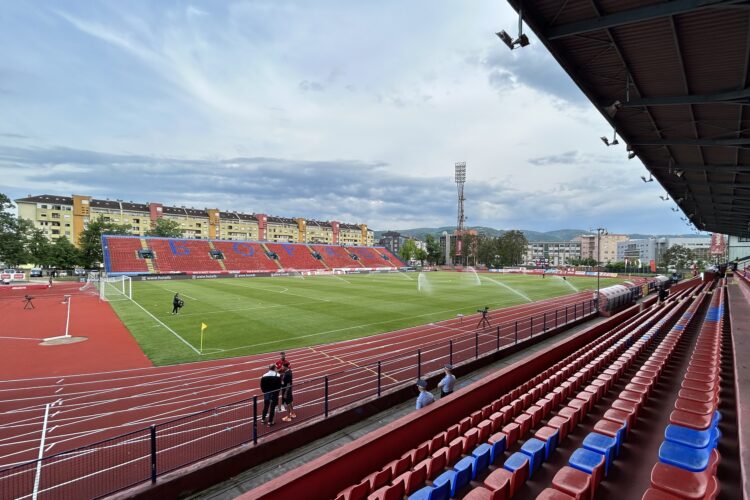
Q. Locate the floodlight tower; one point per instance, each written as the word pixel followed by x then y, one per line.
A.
pixel 460 181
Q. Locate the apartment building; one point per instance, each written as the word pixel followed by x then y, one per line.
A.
pixel 68 216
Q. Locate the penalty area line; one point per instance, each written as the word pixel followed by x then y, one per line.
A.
pixel 196 351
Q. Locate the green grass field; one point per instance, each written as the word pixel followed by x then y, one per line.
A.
pixel 248 316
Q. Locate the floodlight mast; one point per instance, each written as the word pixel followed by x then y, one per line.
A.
pixel 460 181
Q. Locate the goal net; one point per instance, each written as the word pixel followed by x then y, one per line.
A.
pixel 109 288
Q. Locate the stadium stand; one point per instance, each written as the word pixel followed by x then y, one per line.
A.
pixel 245 256
pixel 295 256
pixel 123 254
pixel 594 398
pixel 173 255
pixel 336 256
pixel 370 257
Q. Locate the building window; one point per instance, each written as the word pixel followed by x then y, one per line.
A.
pixel 56 207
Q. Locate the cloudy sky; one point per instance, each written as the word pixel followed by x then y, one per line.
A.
pixel 339 110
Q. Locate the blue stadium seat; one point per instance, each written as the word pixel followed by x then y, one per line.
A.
pixel 498 442
pixel 464 474
pixel 684 457
pixel 689 437
pixel 604 445
pixel 534 449
pixel 435 492
pixel 481 454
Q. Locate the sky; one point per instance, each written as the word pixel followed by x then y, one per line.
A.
pixel 333 110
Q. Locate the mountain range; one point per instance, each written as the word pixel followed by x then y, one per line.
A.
pixel 558 235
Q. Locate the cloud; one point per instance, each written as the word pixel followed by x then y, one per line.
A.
pixel 308 86
pixel 10 135
pixel 344 190
pixel 531 66
pixel 573 158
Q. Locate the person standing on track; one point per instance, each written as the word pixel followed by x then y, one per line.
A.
pixel 448 382
pixel 270 385
pixel 280 362
pixel 425 397
pixel 286 391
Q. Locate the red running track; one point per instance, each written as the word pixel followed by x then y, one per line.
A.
pixel 90 408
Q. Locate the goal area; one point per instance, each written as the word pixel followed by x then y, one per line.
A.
pixel 109 288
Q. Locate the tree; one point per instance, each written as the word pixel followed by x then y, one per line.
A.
pixel 39 248
pixel 433 249
pixel 63 254
pixel 488 252
pixel 421 255
pixel 13 234
pixel 679 256
pixel 166 228
pixel 407 250
pixel 512 247
pixel 90 240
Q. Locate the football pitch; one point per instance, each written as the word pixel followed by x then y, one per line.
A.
pixel 255 315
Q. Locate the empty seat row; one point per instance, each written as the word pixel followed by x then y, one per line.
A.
pixel 484 436
pixel 589 464
pixel 688 457
pixel 523 464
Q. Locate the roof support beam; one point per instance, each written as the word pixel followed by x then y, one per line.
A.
pixel 631 16
pixel 741 97
pixel 730 143
pixel 700 167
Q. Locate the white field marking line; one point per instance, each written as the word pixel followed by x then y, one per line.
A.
pixel 180 388
pixel 520 294
pixel 181 293
pixel 21 338
pixel 276 306
pixel 344 361
pixel 184 376
pixel 467 349
pixel 62 438
pixel 160 373
pixel 165 326
pixel 562 300
pixel 347 328
pixel 284 291
pixel 425 332
pixel 198 400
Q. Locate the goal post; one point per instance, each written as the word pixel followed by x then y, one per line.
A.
pixel 115 288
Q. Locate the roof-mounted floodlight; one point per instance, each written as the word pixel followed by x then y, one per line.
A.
pixel 522 40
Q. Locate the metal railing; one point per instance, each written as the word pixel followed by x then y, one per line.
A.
pixel 140 456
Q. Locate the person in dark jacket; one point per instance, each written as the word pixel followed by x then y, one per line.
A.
pixel 286 391
pixel 177 303
pixel 270 385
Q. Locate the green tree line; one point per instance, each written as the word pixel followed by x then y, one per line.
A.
pixel 505 250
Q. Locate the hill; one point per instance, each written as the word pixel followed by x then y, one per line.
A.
pixel 557 235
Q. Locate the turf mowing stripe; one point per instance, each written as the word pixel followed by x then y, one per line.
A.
pixel 165 326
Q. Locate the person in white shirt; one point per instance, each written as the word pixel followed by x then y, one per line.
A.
pixel 448 382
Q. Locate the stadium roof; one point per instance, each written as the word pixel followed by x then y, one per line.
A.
pixel 672 78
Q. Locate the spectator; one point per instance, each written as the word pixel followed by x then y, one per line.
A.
pixel 448 381
pixel 425 397
pixel 286 392
pixel 270 385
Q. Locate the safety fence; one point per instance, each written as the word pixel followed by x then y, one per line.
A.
pixel 124 461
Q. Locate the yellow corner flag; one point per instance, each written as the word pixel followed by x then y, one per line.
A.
pixel 203 327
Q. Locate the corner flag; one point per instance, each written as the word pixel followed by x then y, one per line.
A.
pixel 203 327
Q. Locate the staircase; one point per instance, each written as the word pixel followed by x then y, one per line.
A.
pixel 321 260
pixel 220 261
pixel 265 249
pixel 149 262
